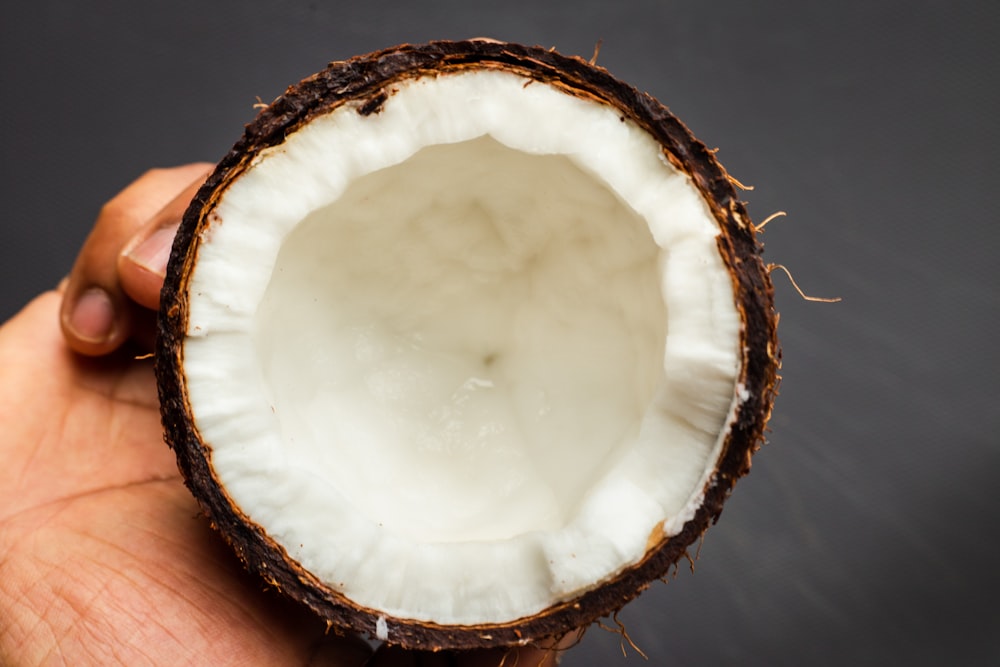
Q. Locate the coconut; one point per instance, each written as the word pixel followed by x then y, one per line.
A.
pixel 464 344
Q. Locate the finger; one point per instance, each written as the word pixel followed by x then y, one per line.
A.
pixel 142 263
pixel 97 315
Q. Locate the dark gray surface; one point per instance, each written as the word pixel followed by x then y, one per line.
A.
pixel 867 532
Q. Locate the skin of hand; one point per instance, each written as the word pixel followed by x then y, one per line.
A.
pixel 105 558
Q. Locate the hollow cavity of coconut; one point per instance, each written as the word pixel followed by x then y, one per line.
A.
pixel 465 343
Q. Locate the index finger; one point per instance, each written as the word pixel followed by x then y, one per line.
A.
pixel 97 315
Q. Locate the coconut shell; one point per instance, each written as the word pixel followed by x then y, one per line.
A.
pixel 368 81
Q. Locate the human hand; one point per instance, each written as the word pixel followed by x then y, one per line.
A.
pixel 105 558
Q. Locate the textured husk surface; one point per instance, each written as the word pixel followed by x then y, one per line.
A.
pixel 368 81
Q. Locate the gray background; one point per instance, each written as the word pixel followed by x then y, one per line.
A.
pixel 867 532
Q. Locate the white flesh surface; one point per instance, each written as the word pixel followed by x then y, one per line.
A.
pixel 463 357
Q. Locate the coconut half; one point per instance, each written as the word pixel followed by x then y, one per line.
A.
pixel 463 344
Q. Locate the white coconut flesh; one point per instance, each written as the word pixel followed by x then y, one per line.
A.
pixel 468 356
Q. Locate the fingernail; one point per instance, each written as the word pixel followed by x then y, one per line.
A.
pixel 93 317
pixel 153 252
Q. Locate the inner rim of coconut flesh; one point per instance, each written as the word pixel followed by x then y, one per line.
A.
pixel 463 358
